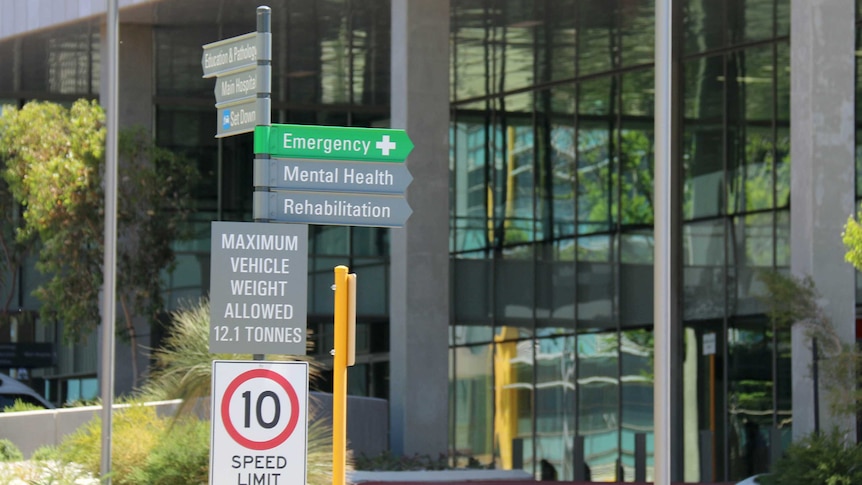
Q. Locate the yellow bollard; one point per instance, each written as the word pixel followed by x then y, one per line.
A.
pixel 345 311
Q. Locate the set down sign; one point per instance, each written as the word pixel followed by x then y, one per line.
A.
pixel 259 423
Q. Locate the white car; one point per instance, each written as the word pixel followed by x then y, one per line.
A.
pixel 12 390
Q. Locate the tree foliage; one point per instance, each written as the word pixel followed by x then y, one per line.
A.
pixel 53 163
pixel 793 301
pixel 818 459
pixel 852 237
pixel 52 160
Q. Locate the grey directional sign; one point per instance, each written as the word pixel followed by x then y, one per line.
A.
pixel 229 55
pixel 258 288
pixel 331 208
pixel 332 176
pixel 237 118
pixel 236 86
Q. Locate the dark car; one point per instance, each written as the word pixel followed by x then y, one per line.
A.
pixel 12 390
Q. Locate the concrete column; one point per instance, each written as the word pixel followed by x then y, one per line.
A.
pixel 136 90
pixel 419 286
pixel 822 180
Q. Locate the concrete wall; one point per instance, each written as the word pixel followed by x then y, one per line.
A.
pixel 367 423
pixel 419 252
pixel 30 430
pixel 822 101
pixel 24 16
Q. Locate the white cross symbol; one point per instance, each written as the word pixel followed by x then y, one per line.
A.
pixel 385 145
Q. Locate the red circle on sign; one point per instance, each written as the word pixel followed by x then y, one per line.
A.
pixel 291 423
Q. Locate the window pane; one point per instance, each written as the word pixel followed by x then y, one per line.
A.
pixel 515 289
pixel 555 39
pixel 750 141
pixel 636 148
pixel 703 137
pixel 471 389
pixel 637 32
pixel 597 37
pixel 595 287
pixel 471 290
pixel 636 278
pixel 471 183
pixel 596 153
pixel 750 405
pixel 555 288
pixel 703 270
pixel 752 21
pixel 555 398
pixel 555 140
pixel 513 392
pixel 598 403
pixel 636 415
pixel 703 25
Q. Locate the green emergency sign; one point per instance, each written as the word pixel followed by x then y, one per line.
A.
pixel 333 143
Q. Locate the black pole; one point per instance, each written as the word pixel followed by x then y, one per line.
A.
pixel 815 371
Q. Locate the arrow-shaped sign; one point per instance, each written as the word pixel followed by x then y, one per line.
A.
pixel 333 143
pixel 230 55
pixel 237 118
pixel 332 176
pixel 331 208
pixel 236 86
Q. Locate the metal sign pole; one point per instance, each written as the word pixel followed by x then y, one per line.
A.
pixel 264 76
pixel 109 267
pixel 662 251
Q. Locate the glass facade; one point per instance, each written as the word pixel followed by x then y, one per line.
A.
pixel 551 175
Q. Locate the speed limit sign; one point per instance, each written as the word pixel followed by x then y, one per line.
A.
pixel 259 422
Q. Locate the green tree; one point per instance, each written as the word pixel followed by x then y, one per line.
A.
pixel 54 166
pixel 793 301
pixel 852 237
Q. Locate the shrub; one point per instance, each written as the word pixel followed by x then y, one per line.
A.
pixel 181 458
pixel 136 430
pixel 9 452
pixel 20 405
pixel 46 453
pixel 818 459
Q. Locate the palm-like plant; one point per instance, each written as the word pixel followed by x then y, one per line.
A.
pixel 183 365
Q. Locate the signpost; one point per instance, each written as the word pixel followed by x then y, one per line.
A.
pixel 259 272
pixel 258 288
pixel 259 423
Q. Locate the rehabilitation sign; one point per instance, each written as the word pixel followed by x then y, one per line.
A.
pixel 333 208
pixel 258 288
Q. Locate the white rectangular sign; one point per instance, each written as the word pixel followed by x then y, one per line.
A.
pixel 708 344
pixel 259 423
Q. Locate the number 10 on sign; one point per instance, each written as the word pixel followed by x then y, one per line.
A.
pixel 259 423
